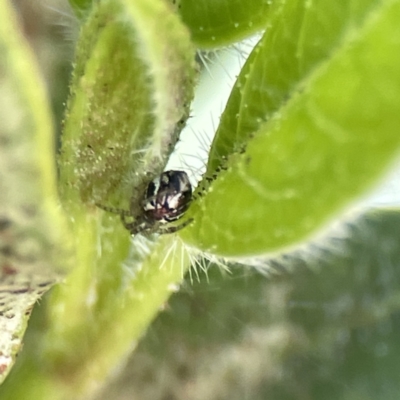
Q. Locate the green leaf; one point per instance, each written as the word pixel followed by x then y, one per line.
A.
pixel 130 97
pixel 317 134
pixel 217 23
pixel 285 57
pixel 88 346
pixel 34 244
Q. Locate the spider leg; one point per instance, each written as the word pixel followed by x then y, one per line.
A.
pixel 175 228
pixel 132 227
pixel 128 224
pixel 113 210
pixel 138 225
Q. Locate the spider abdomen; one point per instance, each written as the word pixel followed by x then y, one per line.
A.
pixel 167 197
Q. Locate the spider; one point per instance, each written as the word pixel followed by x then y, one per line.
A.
pixel 165 200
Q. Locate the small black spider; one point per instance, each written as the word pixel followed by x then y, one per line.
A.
pixel 165 200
